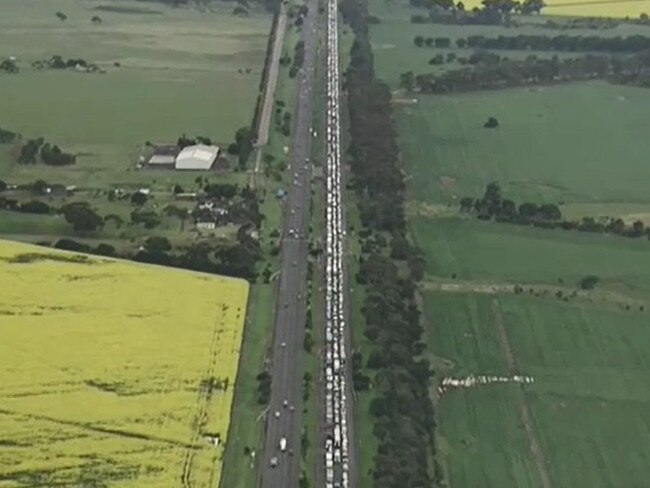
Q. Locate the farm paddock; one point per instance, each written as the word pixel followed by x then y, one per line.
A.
pixel 115 372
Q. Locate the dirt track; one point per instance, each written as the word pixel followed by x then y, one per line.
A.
pixel 535 447
pixel 539 290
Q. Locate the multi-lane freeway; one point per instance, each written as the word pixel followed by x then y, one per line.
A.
pixel 281 451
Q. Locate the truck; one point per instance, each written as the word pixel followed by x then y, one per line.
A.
pixel 283 444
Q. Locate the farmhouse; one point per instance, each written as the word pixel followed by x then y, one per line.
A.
pixel 210 212
pixel 199 157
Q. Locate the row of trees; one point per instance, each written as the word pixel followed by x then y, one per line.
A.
pixel 82 217
pixel 439 42
pixel 32 206
pixel 618 44
pixel 37 187
pixel 58 62
pixel 202 256
pixel 584 23
pixel 523 42
pixel 492 205
pixel 239 260
pixel 185 141
pixel 503 6
pixel 50 154
pixel 491 71
pixel 401 410
pixel 492 12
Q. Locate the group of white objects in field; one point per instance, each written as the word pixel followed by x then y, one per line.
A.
pixel 472 381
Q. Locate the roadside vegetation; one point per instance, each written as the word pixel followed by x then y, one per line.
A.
pixel 390 267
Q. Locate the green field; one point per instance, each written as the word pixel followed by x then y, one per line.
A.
pixel 180 71
pixel 589 404
pixel 168 71
pixel 597 150
pixel 584 421
pixel 476 250
pixel 552 144
pixel 395 53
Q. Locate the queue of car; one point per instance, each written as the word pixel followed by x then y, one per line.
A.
pixel 336 391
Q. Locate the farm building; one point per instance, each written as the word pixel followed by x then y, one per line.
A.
pixel 162 161
pixel 206 225
pixel 199 157
pixel 163 157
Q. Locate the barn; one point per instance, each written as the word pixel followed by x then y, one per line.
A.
pixel 197 158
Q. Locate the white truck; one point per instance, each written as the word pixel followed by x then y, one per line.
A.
pixel 283 444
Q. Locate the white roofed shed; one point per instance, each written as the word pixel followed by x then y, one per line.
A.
pixel 199 157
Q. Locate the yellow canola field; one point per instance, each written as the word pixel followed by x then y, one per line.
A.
pixel 589 8
pixel 114 372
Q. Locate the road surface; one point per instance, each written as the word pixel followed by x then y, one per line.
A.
pixel 272 78
pixel 271 83
pixel 284 416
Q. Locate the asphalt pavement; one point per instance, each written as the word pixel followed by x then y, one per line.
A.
pixel 271 83
pixel 284 416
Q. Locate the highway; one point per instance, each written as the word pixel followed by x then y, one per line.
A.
pixel 284 415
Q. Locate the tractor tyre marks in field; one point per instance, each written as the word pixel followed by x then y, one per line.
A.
pixel 203 401
pixel 99 429
pixel 535 446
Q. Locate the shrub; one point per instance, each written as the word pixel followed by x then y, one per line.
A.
pixel 589 282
